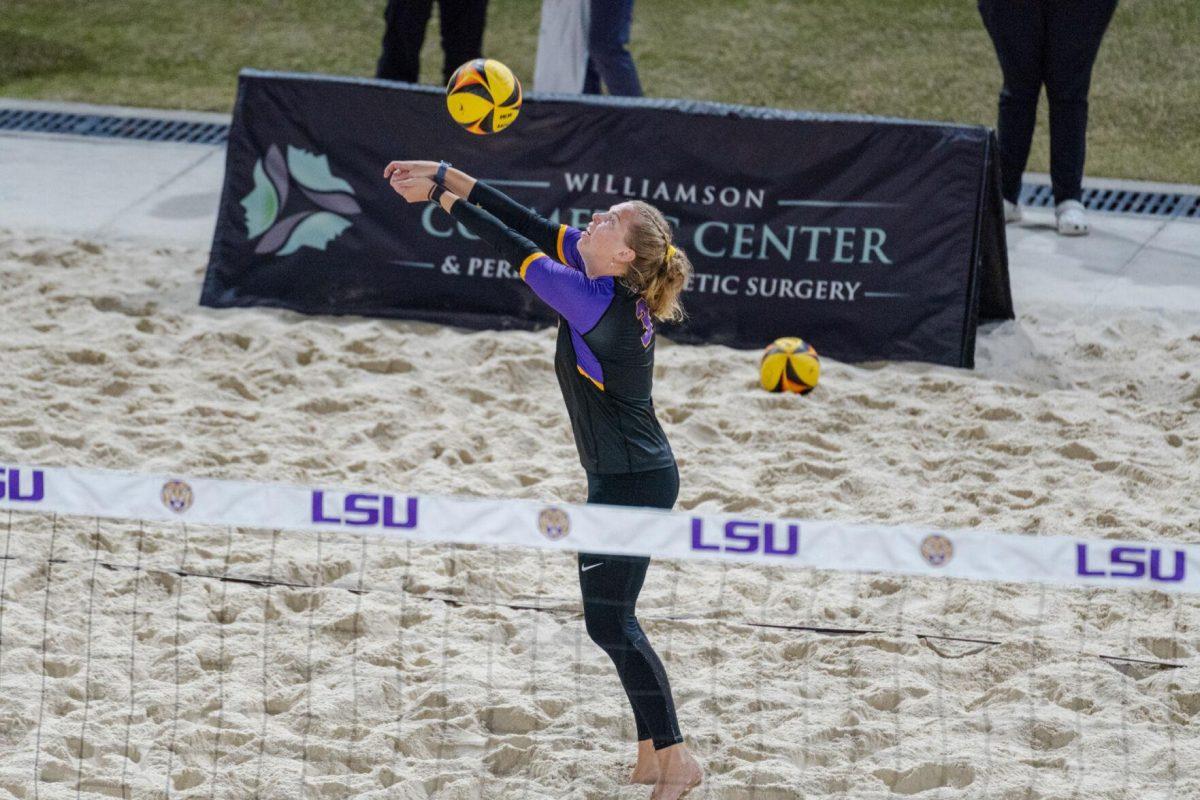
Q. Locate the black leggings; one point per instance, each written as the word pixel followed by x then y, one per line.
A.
pixel 611 585
pixel 462 23
pixel 1051 43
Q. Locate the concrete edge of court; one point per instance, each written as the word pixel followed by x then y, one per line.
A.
pixel 167 194
pixel 63 107
pixel 183 115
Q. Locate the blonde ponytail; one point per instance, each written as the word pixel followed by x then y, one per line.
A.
pixel 659 270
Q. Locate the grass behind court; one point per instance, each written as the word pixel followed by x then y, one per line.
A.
pixel 923 59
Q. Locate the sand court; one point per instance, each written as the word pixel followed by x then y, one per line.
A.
pixel 371 668
pixel 151 660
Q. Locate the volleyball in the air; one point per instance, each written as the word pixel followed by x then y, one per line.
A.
pixel 483 96
pixel 790 364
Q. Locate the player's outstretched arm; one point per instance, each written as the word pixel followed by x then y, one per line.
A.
pixel 523 220
pixel 514 247
pixel 453 180
pixel 566 289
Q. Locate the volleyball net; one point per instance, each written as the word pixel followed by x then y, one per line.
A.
pixel 163 636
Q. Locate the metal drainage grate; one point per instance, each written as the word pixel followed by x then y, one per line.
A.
pixel 145 129
pixel 1037 195
pixel 1120 201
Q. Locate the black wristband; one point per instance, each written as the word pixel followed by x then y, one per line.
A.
pixel 435 194
pixel 440 180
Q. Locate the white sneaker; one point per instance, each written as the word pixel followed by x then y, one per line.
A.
pixel 1072 221
pixel 1012 212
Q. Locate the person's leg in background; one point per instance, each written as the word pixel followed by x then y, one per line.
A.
pixel 1018 34
pixel 403 35
pixel 608 59
pixel 1074 29
pixel 591 78
pixel 462 23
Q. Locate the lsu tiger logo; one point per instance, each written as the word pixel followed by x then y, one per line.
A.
pixel 937 549
pixel 554 523
pixel 177 496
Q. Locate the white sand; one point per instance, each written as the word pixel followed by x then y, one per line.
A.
pixel 1077 421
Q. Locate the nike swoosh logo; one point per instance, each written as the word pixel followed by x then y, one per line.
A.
pixel 590 566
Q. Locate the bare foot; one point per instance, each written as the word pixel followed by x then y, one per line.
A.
pixel 646 770
pixel 678 773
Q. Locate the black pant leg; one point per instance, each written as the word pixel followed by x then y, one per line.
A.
pixel 403 35
pixel 1017 30
pixel 1074 29
pixel 462 24
pixel 609 59
pixel 610 586
pixel 591 78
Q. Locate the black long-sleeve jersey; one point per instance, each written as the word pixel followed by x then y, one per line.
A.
pixel 604 358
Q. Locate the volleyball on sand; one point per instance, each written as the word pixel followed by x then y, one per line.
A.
pixel 789 365
pixel 483 96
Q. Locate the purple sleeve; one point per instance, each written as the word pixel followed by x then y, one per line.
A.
pixel 568 247
pixel 568 291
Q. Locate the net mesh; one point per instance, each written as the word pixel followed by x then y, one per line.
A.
pixel 153 660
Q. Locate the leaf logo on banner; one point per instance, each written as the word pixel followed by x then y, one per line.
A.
pixel 314 228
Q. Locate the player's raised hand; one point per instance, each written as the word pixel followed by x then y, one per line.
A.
pixel 410 169
pixel 414 190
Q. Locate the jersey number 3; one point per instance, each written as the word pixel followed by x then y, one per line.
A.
pixel 643 313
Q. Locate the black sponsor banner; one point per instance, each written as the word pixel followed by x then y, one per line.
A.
pixel 871 238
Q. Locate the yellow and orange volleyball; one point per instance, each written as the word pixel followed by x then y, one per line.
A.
pixel 789 364
pixel 483 96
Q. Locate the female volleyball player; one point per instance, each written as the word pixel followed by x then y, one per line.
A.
pixel 608 284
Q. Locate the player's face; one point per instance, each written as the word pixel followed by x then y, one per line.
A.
pixel 603 241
